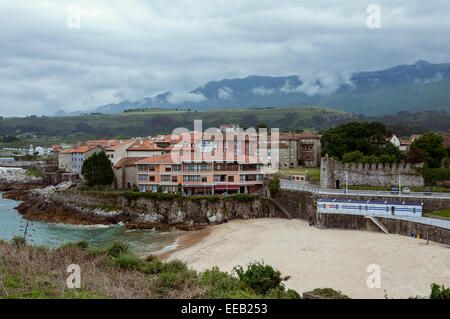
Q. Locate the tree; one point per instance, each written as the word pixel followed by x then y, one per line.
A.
pixel 97 170
pixel 352 157
pixel 430 144
pixel 415 156
pixel 367 137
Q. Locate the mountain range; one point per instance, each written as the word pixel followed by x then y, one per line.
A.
pixel 417 87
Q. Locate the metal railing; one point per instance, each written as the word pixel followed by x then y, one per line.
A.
pixel 314 189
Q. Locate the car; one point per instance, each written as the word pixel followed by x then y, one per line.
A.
pixel 428 191
pixel 394 190
pixel 406 190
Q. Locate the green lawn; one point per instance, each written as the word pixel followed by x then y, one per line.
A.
pixel 441 213
pixel 437 189
pixel 314 173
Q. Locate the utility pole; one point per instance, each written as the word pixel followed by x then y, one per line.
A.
pixel 399 183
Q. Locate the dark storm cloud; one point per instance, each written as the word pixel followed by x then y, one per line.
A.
pixel 132 49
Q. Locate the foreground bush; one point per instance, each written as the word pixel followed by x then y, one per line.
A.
pixel 117 248
pixel 115 272
pixel 329 293
pixel 439 292
pixel 260 277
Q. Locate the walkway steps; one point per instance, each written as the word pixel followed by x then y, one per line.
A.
pixel 378 223
pixel 281 208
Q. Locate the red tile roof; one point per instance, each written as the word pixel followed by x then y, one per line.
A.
pixel 127 161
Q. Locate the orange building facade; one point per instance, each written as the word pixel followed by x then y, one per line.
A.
pixel 243 175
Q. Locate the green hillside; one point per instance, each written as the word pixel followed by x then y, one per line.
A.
pixel 163 121
pixel 388 99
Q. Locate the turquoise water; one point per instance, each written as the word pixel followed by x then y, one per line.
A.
pixel 142 242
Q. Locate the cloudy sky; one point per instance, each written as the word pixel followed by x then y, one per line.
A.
pixel 130 49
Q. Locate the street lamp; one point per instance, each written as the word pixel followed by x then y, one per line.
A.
pixel 346 182
pixel 399 183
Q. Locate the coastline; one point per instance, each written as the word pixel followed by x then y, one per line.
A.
pixel 316 258
pixel 188 240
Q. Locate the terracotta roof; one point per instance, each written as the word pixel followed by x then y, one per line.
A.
pixel 84 149
pixel 112 148
pixel 157 159
pixel 68 151
pixel 127 161
pixel 144 146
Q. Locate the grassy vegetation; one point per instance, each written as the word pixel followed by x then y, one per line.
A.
pixel 33 173
pixel 114 272
pixel 329 293
pixel 165 120
pixel 313 173
pixel 440 213
pixel 438 189
pixel 160 196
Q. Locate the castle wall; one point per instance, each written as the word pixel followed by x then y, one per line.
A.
pixel 332 174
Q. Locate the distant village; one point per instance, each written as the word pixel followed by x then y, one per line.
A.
pixel 166 162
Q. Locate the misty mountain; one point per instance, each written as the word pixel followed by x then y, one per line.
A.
pixel 417 87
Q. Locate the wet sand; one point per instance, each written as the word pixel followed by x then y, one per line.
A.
pixel 317 258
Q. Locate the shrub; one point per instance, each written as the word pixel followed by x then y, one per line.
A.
pixel 18 240
pixel 175 266
pixel 82 244
pixel 292 294
pixel 260 277
pixel 329 293
pixel 220 284
pixel 117 248
pixel 153 267
pixel 274 186
pixel 168 280
pixel 128 261
pixel 439 292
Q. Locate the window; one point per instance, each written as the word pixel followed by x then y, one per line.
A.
pixel 191 178
pixel 151 168
pixel 142 177
pixel 174 179
pixel 151 178
pixel 168 168
pixel 220 178
pixel 142 168
pixel 176 168
pixel 165 178
pixel 231 178
pixel 204 179
pixel 204 167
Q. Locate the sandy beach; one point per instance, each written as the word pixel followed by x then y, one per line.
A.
pixel 316 258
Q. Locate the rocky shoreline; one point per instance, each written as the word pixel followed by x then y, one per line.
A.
pixel 61 204
pixel 36 208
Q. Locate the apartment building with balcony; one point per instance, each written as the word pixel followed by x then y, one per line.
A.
pixel 303 150
pixel 207 175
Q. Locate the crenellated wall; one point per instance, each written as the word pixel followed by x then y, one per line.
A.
pixel 332 174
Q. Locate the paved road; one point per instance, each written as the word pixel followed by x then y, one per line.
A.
pixel 291 185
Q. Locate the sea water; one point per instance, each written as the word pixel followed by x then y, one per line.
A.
pixel 52 235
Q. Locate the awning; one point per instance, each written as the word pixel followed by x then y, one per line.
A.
pixel 226 187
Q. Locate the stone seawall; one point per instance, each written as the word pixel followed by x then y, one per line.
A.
pixel 394 226
pixel 303 205
pixel 144 212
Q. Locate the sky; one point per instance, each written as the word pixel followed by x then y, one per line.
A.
pixel 131 49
